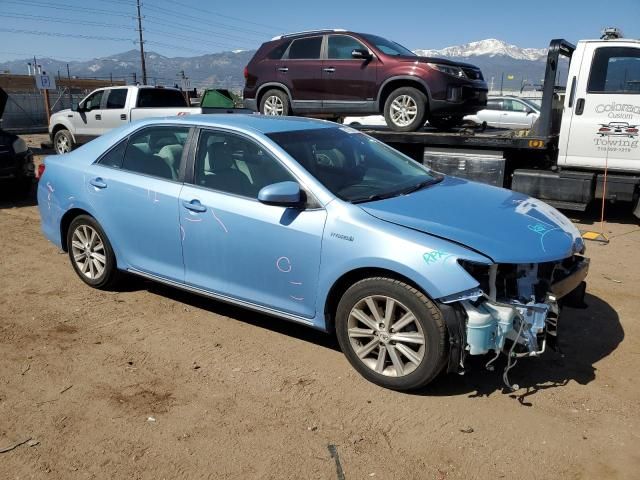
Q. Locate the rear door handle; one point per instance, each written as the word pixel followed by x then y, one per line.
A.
pixel 98 116
pixel 580 106
pixel 123 116
pixel 283 69
pixel 329 69
pixel 194 206
pixel 98 182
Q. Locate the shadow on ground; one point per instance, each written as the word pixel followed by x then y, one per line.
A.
pixel 586 336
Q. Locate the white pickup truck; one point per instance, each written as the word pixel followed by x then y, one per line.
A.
pixel 111 107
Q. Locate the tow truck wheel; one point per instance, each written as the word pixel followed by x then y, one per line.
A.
pixel 63 142
pixel 405 109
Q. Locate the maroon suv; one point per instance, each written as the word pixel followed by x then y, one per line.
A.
pixel 334 73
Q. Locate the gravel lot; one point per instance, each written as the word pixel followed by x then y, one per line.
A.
pixel 150 382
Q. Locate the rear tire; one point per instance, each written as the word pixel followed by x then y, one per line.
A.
pixel 405 109
pixel 401 347
pixel 63 142
pixel 275 102
pixel 91 254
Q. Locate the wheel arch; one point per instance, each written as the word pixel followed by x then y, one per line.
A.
pixel 65 222
pixel 399 81
pixel 346 280
pixel 62 126
pixel 272 86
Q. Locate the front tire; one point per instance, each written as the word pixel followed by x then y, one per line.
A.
pixel 63 142
pixel 391 333
pixel 275 102
pixel 90 253
pixel 405 109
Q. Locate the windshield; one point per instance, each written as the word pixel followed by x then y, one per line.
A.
pixel 352 165
pixel 387 46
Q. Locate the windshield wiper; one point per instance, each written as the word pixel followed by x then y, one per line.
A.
pixel 421 185
pixel 376 196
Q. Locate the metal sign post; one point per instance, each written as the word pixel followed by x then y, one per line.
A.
pixel 45 83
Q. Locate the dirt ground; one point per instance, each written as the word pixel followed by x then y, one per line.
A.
pixel 150 382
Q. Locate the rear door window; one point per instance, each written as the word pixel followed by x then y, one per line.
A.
pixel 156 151
pixel 305 49
pixel 117 98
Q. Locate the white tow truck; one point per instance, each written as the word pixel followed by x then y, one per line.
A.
pixel 588 132
pixel 110 107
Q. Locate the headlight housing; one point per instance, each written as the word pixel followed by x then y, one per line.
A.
pixel 19 146
pixel 448 69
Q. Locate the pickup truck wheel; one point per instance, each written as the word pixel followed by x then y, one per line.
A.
pixel 63 142
pixel 275 102
pixel 391 333
pixel 91 254
pixel 405 109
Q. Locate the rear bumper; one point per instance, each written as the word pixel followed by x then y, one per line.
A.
pixel 17 166
pixel 251 104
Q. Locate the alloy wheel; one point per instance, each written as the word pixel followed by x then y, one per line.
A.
pixel 403 110
pixel 62 144
pixel 273 105
pixel 386 336
pixel 88 251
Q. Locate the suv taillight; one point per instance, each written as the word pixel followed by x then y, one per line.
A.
pixel 40 171
pixel 246 73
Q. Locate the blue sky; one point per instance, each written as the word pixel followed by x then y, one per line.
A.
pixel 192 27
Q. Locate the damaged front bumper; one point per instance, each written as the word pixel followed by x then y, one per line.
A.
pixel 515 310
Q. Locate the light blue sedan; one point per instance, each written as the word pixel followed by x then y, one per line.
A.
pixel 317 223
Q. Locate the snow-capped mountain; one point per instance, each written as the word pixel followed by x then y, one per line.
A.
pixel 490 47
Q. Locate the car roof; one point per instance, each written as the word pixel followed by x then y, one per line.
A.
pixel 253 122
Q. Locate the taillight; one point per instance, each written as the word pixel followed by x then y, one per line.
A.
pixel 632 130
pixel 604 129
pixel 40 171
pixel 246 73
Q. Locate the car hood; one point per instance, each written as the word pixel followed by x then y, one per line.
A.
pixel 506 226
pixel 440 60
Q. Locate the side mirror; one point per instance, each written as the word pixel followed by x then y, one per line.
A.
pixel 360 53
pixel 284 194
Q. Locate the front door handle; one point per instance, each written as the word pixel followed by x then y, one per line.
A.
pixel 98 116
pixel 580 106
pixel 123 116
pixel 98 182
pixel 283 69
pixel 194 206
pixel 329 69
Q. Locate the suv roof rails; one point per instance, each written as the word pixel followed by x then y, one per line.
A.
pixel 326 30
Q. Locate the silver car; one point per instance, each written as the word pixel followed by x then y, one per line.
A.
pixel 507 112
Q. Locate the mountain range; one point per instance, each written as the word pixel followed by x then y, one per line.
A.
pixel 496 58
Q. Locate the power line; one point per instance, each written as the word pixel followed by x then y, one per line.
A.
pixel 169 13
pixel 188 38
pixel 38 18
pixel 270 27
pixel 63 6
pixel 69 35
pixel 183 27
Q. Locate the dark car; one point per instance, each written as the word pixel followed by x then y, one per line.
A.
pixel 17 170
pixel 334 73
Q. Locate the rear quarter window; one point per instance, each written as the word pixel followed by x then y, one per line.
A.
pixel 160 97
pixel 278 51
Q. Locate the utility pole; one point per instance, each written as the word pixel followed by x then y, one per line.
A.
pixel 69 87
pixel 501 82
pixel 144 68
